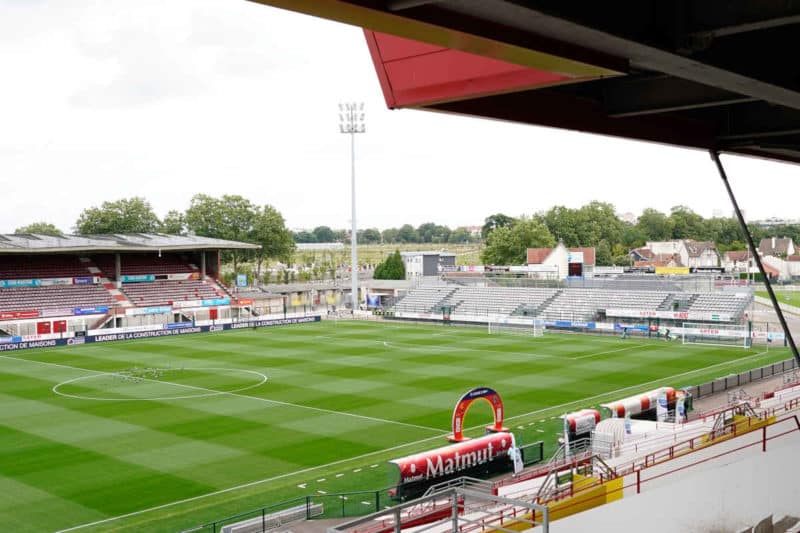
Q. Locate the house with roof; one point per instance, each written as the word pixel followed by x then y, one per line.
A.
pixel 677 253
pixel 660 254
pixel 701 254
pixel 785 269
pixel 778 247
pixel 737 261
pixel 561 262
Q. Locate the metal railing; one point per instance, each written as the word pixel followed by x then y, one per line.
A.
pixel 458 509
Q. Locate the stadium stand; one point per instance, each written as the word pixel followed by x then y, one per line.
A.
pixel 497 300
pixel 37 267
pixel 582 304
pixel 137 264
pixel 161 292
pixel 55 297
pixel 424 299
pixel 562 304
pixel 733 304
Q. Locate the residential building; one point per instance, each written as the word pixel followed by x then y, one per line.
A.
pixel 561 262
pixel 778 247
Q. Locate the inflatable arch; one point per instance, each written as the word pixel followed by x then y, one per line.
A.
pixel 460 411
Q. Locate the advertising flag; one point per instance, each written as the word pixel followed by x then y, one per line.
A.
pixel 661 407
pixel 680 410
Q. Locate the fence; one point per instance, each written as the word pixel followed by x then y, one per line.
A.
pixel 263 519
pixel 737 380
pixel 628 283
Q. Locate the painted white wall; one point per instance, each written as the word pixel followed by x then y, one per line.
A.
pixel 670 247
pixel 723 494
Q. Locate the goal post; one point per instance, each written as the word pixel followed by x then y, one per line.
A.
pixel 511 326
pixel 716 334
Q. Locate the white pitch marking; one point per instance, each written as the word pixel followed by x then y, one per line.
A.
pixel 159 398
pixel 640 385
pixel 356 458
pixel 223 393
pixel 302 485
pixel 608 351
pixel 373 466
pixel 356 470
pixel 322 492
pixel 321 480
pixel 339 475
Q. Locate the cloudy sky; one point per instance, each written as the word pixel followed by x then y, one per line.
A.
pixel 108 99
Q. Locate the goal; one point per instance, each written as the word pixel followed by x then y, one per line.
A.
pixel 716 334
pixel 532 328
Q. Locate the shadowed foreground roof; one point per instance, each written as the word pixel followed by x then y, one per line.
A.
pixel 706 74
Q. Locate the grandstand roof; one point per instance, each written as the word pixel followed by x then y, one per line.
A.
pixel 129 242
pixel 706 74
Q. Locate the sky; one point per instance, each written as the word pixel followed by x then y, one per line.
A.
pixel 109 99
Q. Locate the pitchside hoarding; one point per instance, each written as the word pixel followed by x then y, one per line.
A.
pixel 136 333
pixel 480 456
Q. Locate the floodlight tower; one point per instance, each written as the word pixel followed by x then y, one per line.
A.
pixel 351 121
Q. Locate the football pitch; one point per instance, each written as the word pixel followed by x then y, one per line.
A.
pixel 168 433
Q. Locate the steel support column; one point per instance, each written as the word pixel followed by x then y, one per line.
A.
pixel 754 251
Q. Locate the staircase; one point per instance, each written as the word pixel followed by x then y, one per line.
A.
pixel 218 286
pixel 437 307
pixel 120 297
pixel 540 309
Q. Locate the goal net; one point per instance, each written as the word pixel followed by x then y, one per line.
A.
pixel 532 328
pixel 716 334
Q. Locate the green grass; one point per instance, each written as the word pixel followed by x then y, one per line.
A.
pixel 784 297
pixel 466 254
pixel 339 398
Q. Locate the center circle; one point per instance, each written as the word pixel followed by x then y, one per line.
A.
pixel 157 376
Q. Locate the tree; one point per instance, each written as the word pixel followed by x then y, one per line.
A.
pixel 370 236
pixel 391 268
pixel 492 222
pixel 231 217
pixel 632 236
pixel 426 232
pixel 655 225
pixel 508 245
pixel 40 228
pixel 131 215
pixel 269 230
pixel 407 233
pixel 174 223
pixel 323 234
pixel 599 221
pixel 390 235
pixel 686 224
pixel 304 237
pixel 603 255
pixel 564 224
pixel 460 235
